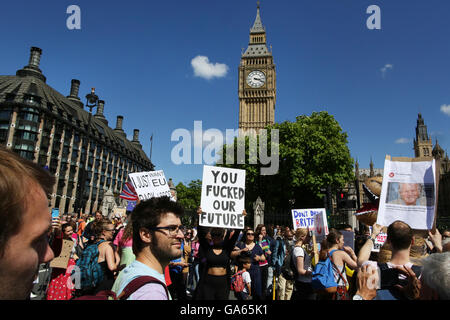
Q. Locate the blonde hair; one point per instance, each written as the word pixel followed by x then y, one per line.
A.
pixel 299 233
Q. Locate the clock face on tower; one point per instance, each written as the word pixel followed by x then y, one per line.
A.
pixel 256 79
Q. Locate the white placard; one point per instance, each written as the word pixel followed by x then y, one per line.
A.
pixel 314 219
pixel 223 198
pixel 150 184
pixel 379 242
pixel 408 194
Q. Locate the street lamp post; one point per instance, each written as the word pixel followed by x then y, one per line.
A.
pixel 91 102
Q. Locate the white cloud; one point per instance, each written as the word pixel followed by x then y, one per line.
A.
pixel 445 109
pixel 402 140
pixel 385 69
pixel 207 70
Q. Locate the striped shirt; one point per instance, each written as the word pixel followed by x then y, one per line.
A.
pixel 265 245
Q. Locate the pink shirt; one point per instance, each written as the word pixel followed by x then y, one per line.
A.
pixel 121 244
pixel 195 245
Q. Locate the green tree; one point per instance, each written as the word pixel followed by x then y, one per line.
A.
pixel 313 154
pixel 189 197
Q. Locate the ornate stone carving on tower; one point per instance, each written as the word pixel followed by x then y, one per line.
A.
pixel 258 209
pixel 257 82
pixel 422 143
pixel 108 204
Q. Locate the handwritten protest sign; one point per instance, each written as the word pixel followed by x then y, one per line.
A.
pixel 408 193
pixel 150 184
pixel 119 212
pixel 320 224
pixel 302 218
pixel 63 259
pixel 379 242
pixel 314 219
pixel 223 197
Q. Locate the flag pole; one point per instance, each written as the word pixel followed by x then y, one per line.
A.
pixel 151 147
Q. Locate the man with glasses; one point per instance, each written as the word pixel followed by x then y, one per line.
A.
pixel 157 240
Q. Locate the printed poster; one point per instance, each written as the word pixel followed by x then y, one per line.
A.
pixel 408 193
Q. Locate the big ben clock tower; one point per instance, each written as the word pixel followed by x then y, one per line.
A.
pixel 257 82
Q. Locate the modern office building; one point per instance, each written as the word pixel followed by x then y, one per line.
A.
pixel 87 156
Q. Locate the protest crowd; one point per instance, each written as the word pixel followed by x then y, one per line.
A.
pixel 149 255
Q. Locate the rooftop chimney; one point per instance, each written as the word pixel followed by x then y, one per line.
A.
pixel 119 123
pixel 136 138
pixel 136 135
pixel 35 58
pixel 119 129
pixel 100 108
pixel 32 69
pixel 74 89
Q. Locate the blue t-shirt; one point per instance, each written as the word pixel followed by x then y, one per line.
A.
pixel 178 269
pixel 151 291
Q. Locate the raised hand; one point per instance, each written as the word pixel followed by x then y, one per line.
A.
pixel 412 288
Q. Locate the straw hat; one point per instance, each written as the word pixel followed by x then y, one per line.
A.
pixel 368 213
pixel 372 187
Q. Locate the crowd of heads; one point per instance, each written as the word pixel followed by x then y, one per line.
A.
pixel 154 227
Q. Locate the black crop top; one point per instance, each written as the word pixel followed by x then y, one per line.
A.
pixel 217 260
pixel 213 260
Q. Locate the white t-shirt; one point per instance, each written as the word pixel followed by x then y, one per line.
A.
pixel 299 252
pixel 247 279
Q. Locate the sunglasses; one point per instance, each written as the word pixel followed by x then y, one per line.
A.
pixel 250 234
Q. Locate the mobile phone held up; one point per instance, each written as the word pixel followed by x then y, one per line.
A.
pixel 55 213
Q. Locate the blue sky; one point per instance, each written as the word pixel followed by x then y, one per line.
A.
pixel 137 54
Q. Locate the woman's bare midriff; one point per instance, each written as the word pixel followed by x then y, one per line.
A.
pixel 217 271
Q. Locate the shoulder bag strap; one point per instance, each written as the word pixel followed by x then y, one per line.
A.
pixel 337 269
pixel 137 283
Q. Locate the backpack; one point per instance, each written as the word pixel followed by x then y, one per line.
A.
pixel 91 273
pixel 131 287
pixel 288 269
pixel 323 275
pixel 237 282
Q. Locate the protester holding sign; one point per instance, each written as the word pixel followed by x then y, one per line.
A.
pixel 59 287
pixel 215 282
pixel 365 251
pixel 223 198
